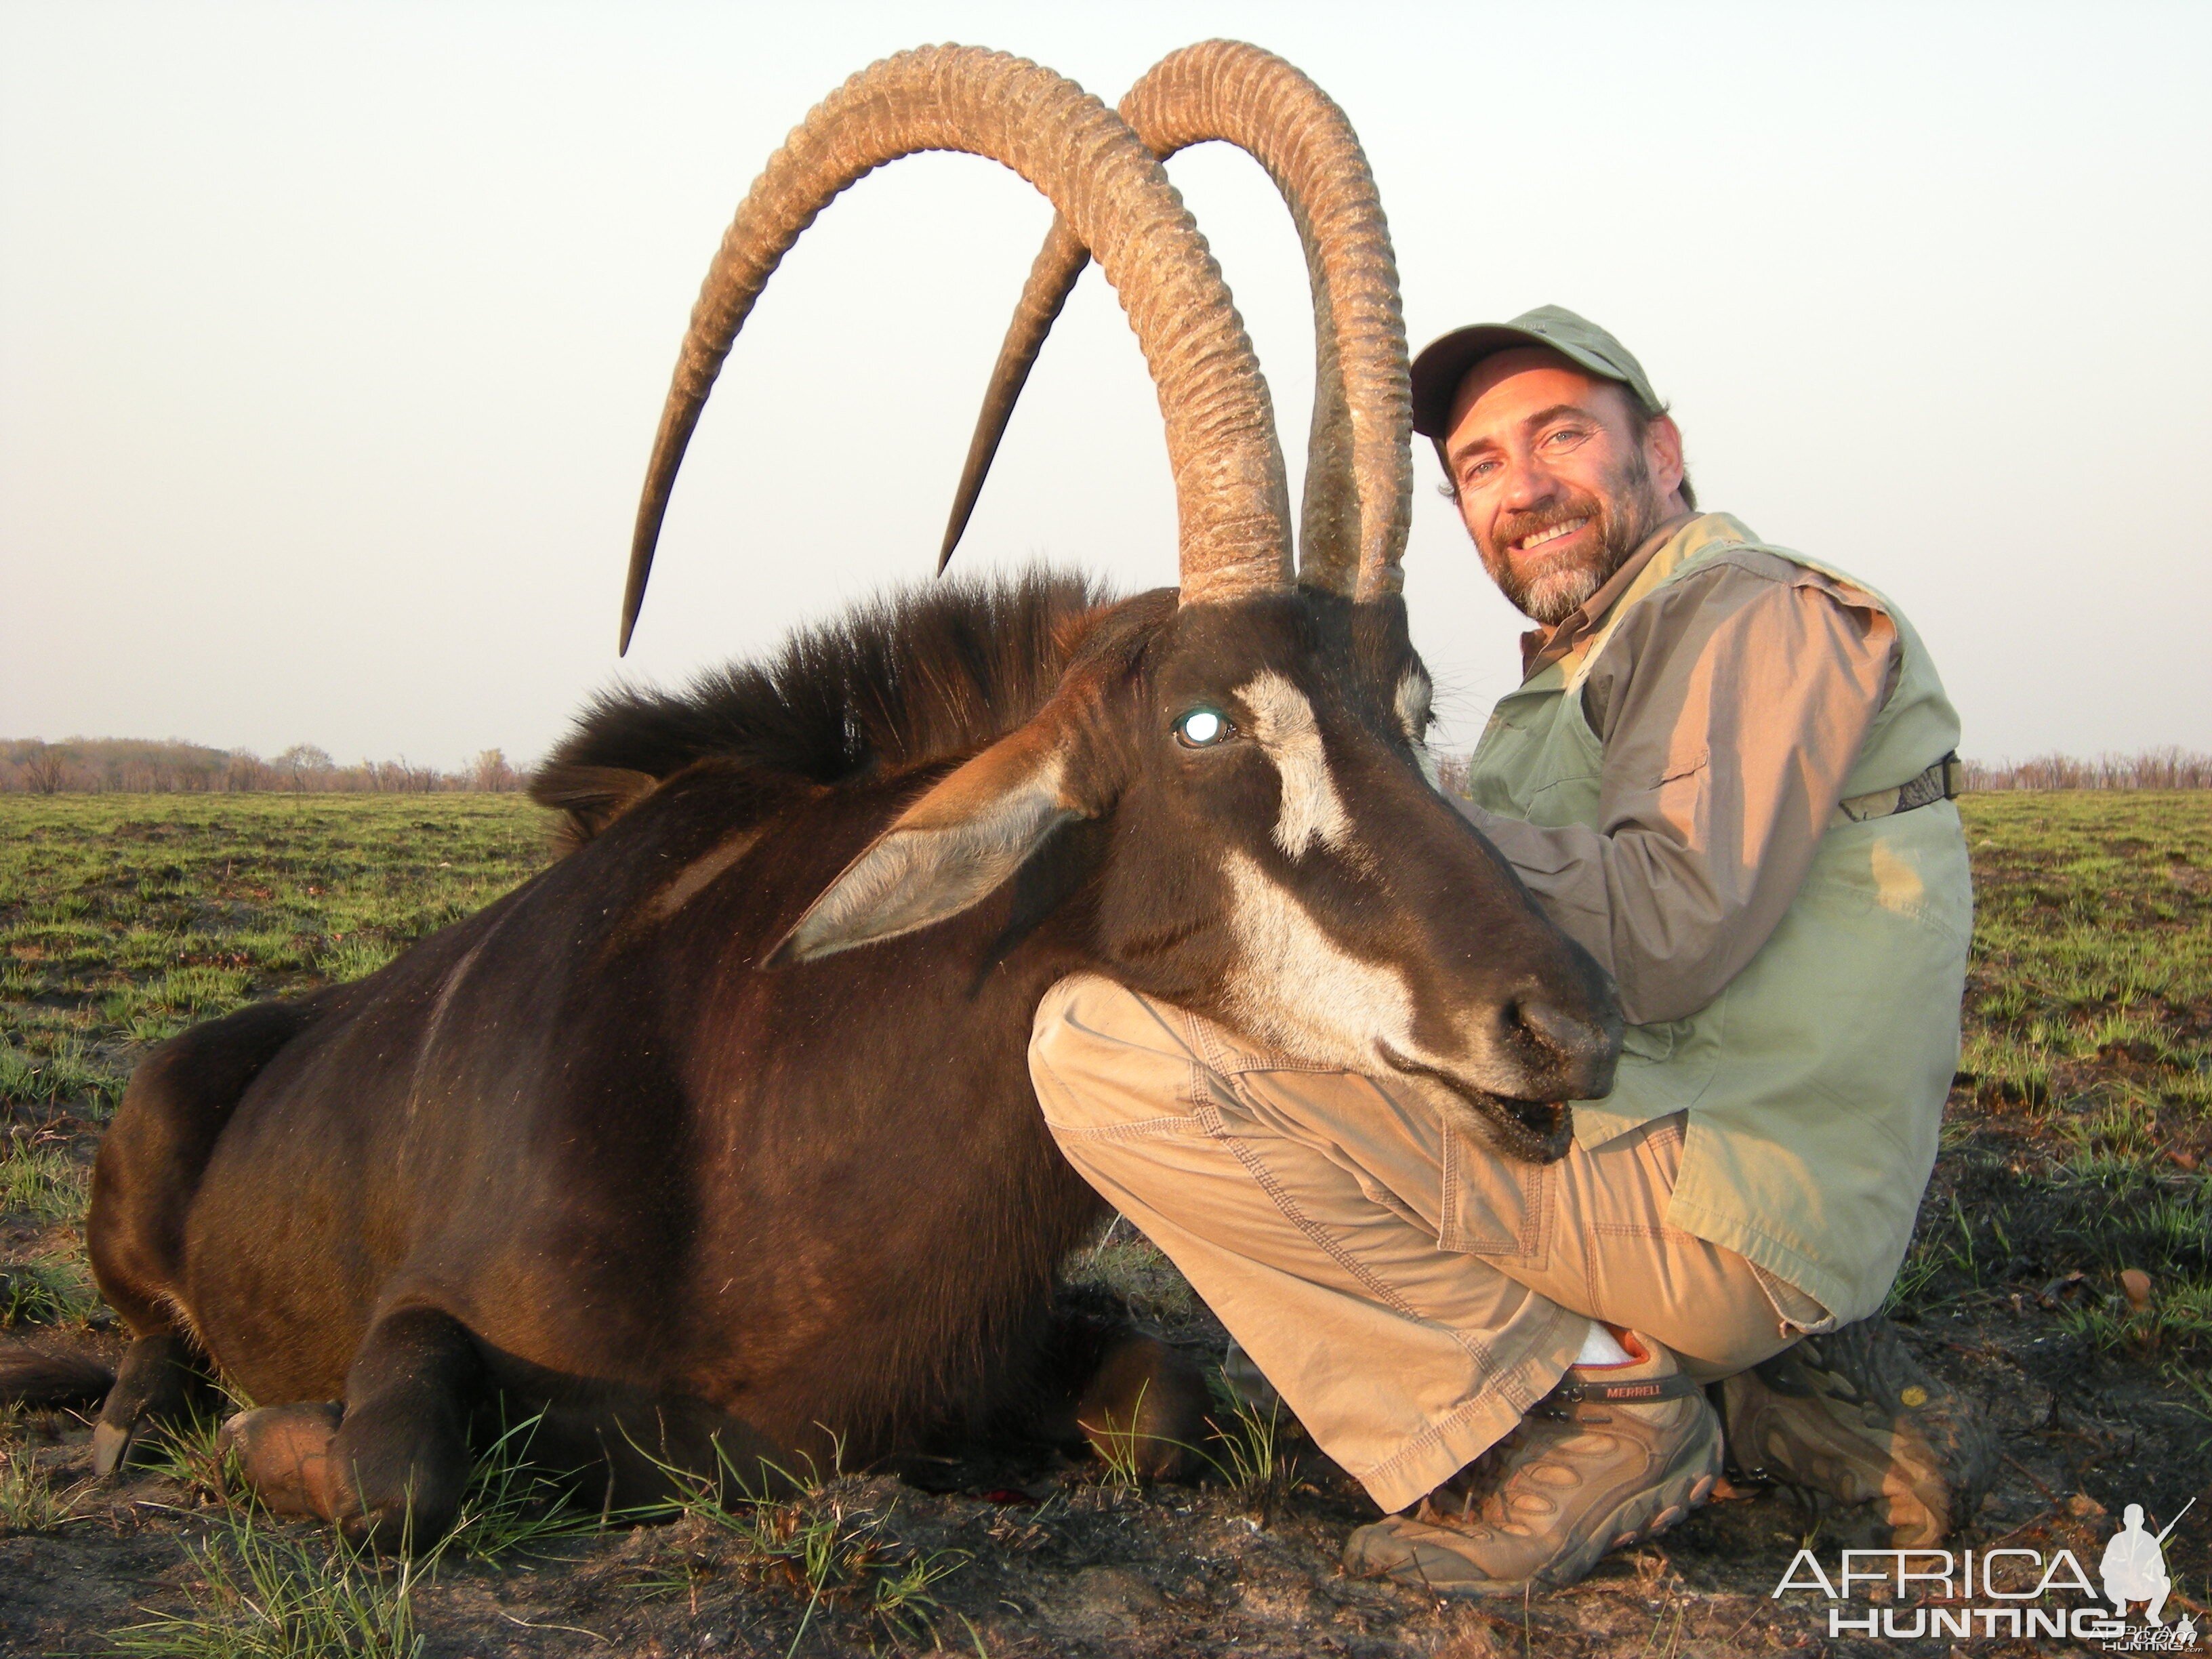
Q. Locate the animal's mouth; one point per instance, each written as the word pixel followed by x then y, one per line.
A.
pixel 1539 1131
pixel 1533 1131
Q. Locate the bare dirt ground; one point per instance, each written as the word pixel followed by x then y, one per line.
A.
pixel 2075 1154
pixel 1055 1558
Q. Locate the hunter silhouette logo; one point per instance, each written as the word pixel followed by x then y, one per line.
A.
pixel 2134 1565
pixel 2014 1592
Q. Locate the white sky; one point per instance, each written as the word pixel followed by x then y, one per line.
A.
pixel 332 337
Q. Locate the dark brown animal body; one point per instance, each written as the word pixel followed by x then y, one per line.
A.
pixel 715 1140
pixel 833 1182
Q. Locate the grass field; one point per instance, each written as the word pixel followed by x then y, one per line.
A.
pixel 2064 1266
pixel 126 918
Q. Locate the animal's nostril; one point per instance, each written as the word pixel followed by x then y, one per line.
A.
pixel 1552 1027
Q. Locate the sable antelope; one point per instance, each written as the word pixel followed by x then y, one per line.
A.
pixel 715 1142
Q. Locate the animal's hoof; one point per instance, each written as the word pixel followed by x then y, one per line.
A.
pixel 284 1452
pixel 111 1446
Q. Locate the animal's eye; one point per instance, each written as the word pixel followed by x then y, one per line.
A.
pixel 1202 728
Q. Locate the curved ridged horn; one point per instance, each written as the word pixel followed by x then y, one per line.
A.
pixel 1232 506
pixel 1359 484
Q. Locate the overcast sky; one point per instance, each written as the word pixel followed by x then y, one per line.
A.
pixel 332 337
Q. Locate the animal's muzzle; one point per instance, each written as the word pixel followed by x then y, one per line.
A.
pixel 1566 1052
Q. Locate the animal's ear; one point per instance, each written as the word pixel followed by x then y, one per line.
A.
pixel 966 835
pixel 588 797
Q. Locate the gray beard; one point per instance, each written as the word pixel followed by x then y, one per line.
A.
pixel 1551 599
pixel 1626 516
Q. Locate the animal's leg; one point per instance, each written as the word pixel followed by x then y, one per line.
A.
pixel 161 1379
pixel 1139 1401
pixel 400 1461
pixel 1145 1404
pixel 142 1184
pixel 646 1455
pixel 390 1465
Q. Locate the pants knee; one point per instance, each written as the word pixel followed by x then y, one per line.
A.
pixel 1100 1058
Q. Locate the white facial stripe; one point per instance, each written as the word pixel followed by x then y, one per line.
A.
pixel 1282 725
pixel 1297 991
pixel 1300 992
pixel 1414 692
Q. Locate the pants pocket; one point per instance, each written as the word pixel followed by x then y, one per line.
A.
pixel 1494 1206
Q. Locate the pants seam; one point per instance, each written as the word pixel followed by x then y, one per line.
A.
pixel 1500 1392
pixel 1145 1128
pixel 1438 1432
pixel 1210 1118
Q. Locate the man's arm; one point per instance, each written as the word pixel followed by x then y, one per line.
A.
pixel 1732 705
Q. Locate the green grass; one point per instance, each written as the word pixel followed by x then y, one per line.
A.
pixel 2080 1134
pixel 261 1593
pixel 123 919
pixel 30 1502
pixel 827 1539
pixel 1246 1450
pixel 190 1451
pixel 512 1509
pixel 2079 1143
pixel 1128 1267
pixel 53 1289
pixel 41 1182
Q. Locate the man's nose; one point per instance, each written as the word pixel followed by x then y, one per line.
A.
pixel 1527 483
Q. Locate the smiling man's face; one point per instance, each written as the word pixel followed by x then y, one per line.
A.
pixel 1553 480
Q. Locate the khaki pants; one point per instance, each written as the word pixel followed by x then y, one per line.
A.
pixel 1410 1293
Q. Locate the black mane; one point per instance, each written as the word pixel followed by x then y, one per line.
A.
pixel 916 674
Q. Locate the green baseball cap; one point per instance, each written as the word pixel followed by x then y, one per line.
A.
pixel 1444 363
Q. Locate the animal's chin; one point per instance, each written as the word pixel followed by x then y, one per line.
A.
pixel 1535 1131
pixel 1538 1131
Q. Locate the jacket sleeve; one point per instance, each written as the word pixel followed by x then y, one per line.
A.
pixel 1731 705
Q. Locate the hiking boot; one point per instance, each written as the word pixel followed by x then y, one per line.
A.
pixel 1851 1415
pixel 1615 1454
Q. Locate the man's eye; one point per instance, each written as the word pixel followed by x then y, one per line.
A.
pixel 1202 728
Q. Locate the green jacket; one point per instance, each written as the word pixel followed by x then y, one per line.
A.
pixel 1814 1081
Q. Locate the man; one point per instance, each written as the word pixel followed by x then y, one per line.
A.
pixel 1726 774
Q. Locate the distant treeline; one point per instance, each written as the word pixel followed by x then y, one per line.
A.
pixel 136 767
pixel 2153 768
pixel 132 766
